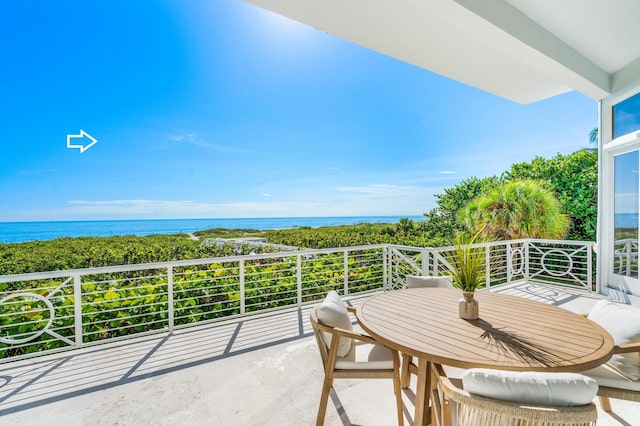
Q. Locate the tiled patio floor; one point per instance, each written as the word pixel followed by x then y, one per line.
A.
pixel 263 370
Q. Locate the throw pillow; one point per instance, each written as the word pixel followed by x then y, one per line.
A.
pixel 333 312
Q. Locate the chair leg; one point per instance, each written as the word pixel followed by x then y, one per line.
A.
pixel 605 403
pixel 396 388
pixel 324 399
pixel 405 376
pixel 398 392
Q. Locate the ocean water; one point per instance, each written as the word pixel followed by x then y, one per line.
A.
pixel 626 220
pixel 15 232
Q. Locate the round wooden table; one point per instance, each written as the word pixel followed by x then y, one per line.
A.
pixel 512 333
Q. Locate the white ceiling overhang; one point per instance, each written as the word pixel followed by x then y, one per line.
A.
pixel 521 50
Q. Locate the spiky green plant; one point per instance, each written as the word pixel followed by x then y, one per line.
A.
pixel 468 263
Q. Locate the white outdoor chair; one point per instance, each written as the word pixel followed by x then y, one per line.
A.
pixel 494 397
pixel 425 281
pixel 619 378
pixel 349 355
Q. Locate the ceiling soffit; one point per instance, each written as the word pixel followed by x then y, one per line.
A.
pixel 515 49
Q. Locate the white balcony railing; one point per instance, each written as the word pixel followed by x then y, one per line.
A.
pixel 54 311
pixel 626 257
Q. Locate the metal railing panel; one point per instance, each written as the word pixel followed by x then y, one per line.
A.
pixel 404 261
pixel 561 263
pixel 37 315
pixel 51 311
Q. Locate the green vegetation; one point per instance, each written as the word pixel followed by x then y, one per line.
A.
pixel 444 219
pixel 90 252
pixel 514 210
pixel 573 179
pixel 230 233
pixel 593 136
pixel 339 236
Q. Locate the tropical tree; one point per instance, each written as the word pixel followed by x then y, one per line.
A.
pixel 574 180
pixel 593 136
pixel 517 209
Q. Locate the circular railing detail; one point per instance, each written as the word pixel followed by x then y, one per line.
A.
pixel 569 263
pixel 30 297
pixel 517 258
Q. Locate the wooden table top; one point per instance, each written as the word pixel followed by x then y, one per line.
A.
pixel 512 333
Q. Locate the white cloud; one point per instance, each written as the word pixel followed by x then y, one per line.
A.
pixel 188 137
pixel 39 171
pixel 151 203
pixel 195 139
pixel 380 190
pixel 161 209
pixel 368 200
pixel 447 172
pixel 387 199
pixel 266 194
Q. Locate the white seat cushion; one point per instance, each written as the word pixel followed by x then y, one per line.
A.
pixel 332 312
pixel 623 323
pixel 554 389
pixel 607 376
pixel 365 356
pixel 414 281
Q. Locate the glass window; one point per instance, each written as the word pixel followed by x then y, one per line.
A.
pixel 627 200
pixel 626 116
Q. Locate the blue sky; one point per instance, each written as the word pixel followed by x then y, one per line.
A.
pixel 206 109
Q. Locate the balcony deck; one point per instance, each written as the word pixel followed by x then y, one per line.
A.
pixel 260 370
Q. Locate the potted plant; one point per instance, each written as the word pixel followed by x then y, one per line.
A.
pixel 468 272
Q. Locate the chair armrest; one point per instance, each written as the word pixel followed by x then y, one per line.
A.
pixel 627 348
pixel 357 336
pixel 437 370
pixel 347 333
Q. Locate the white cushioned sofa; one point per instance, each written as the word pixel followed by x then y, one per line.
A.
pixel 619 378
